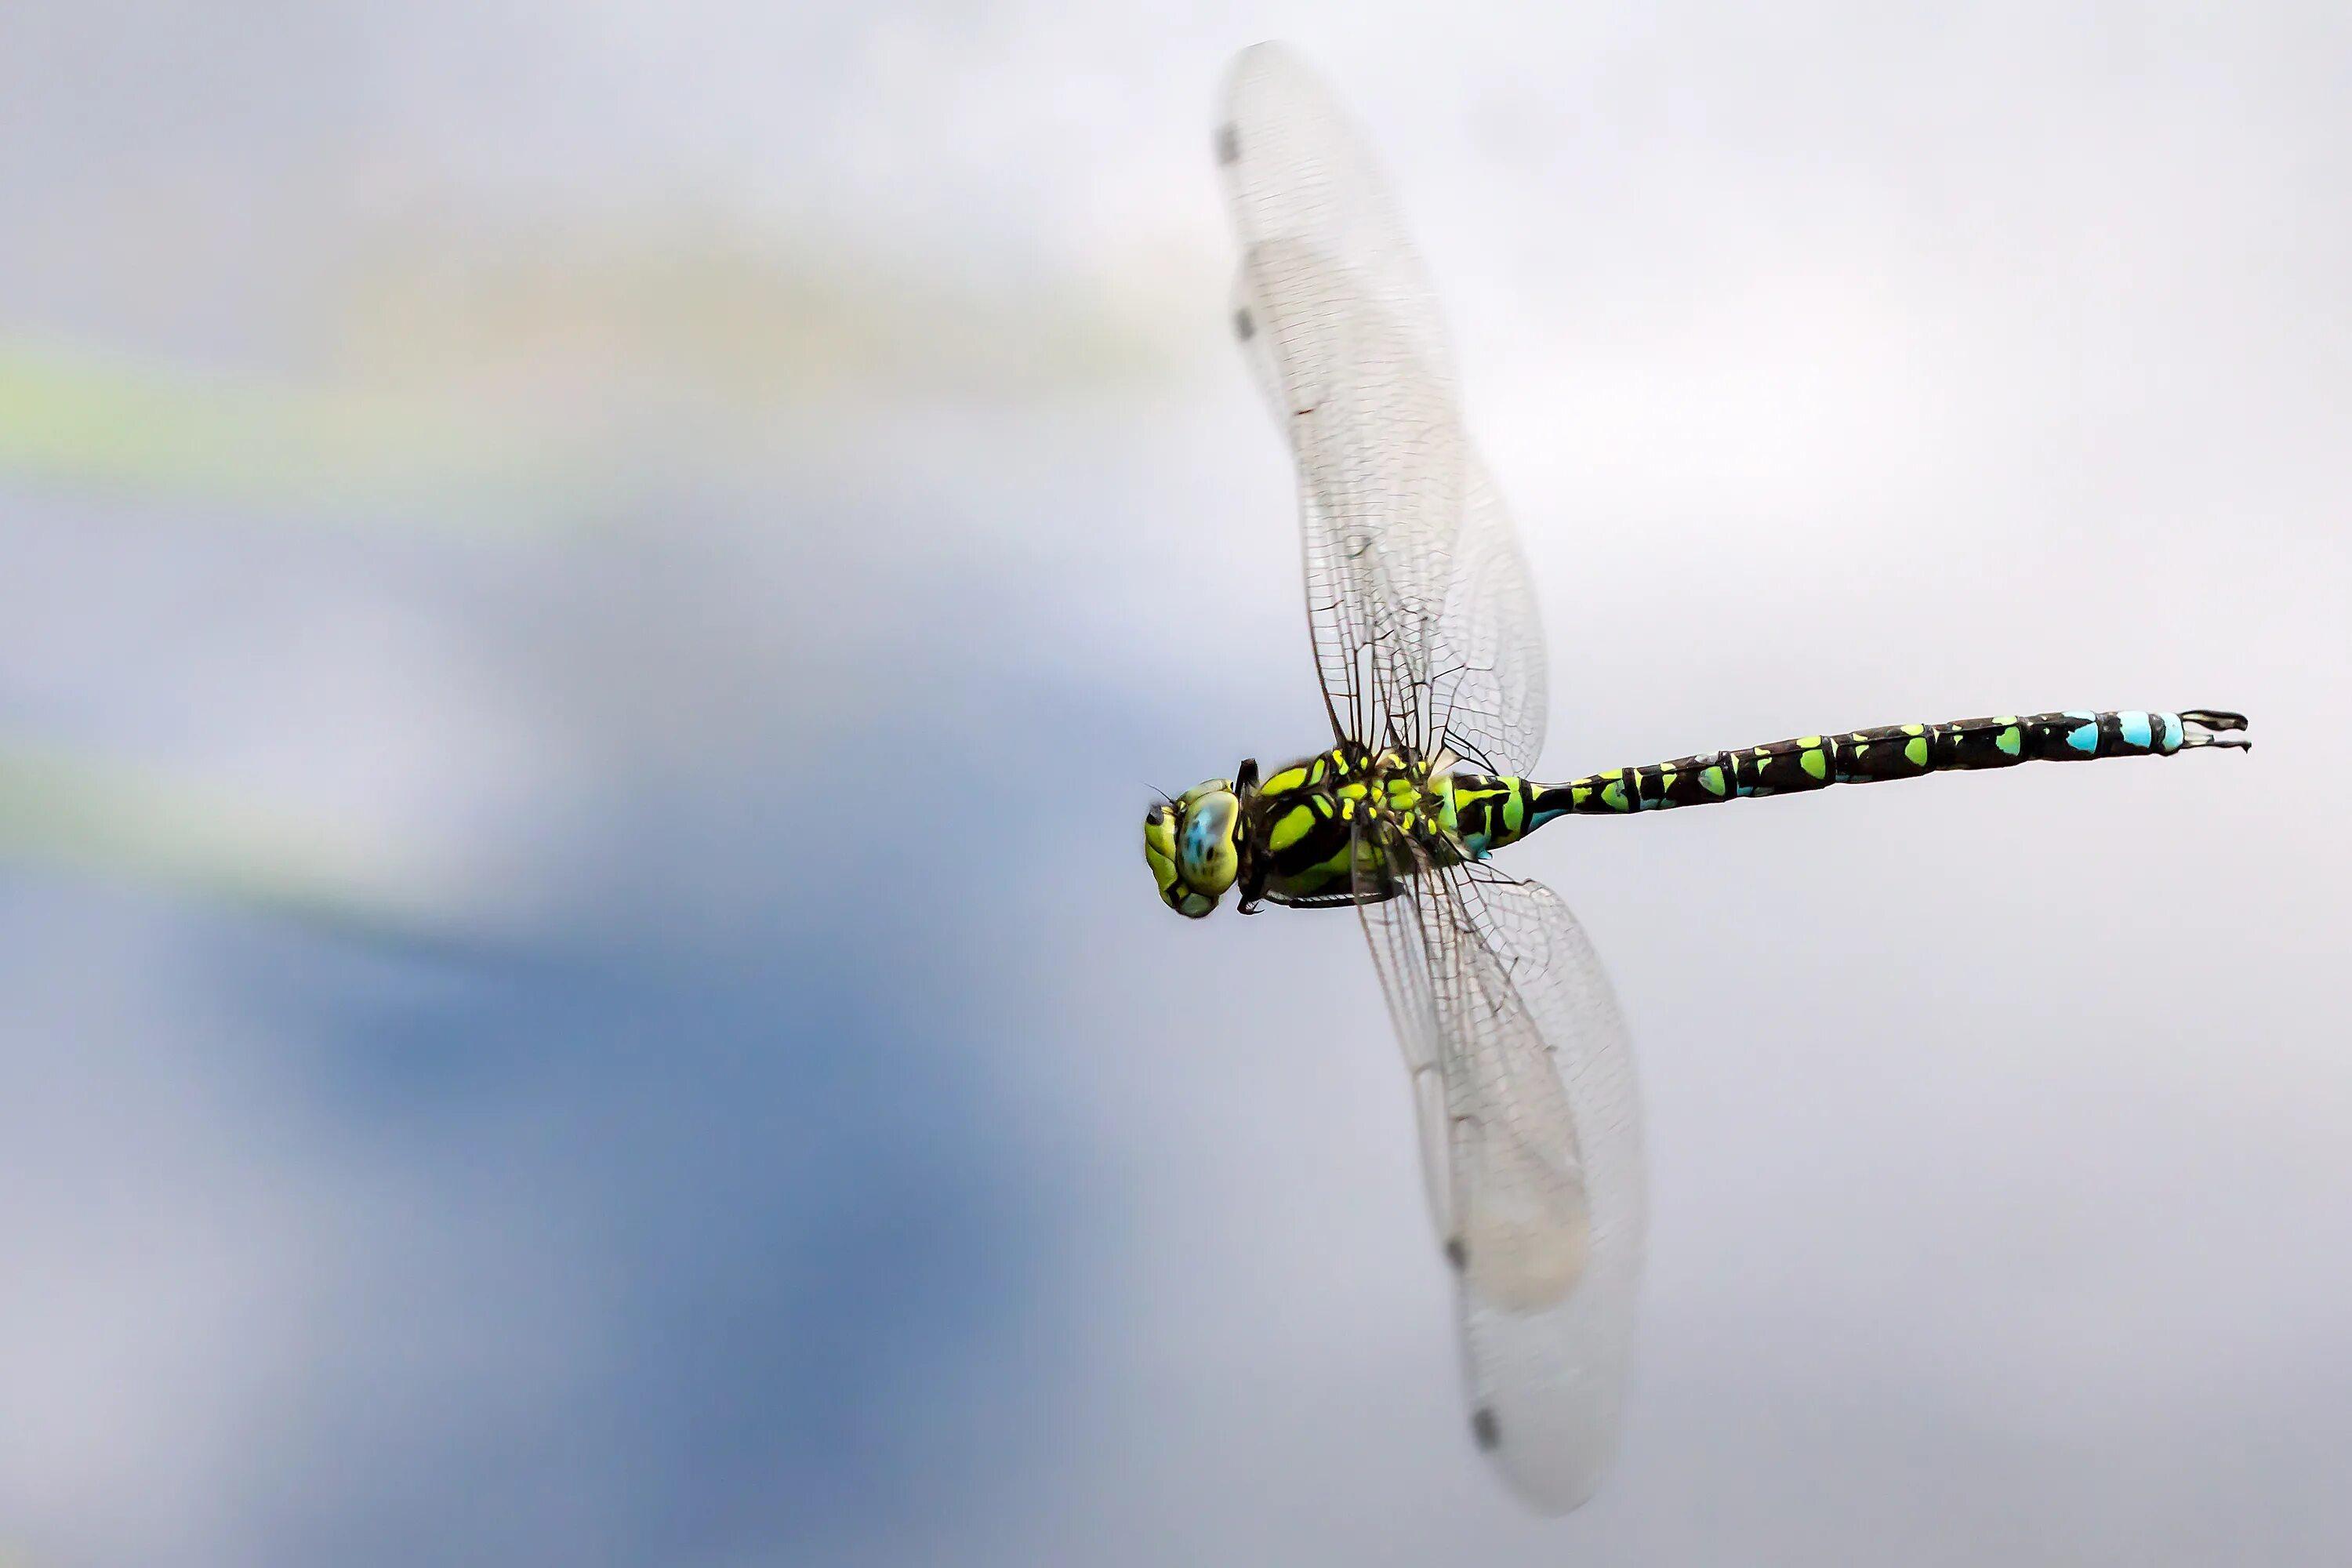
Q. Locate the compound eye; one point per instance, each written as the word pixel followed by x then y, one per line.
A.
pixel 1207 855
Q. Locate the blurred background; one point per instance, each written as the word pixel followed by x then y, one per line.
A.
pixel 591 596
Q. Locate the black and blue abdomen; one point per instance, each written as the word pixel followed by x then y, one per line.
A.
pixel 1491 812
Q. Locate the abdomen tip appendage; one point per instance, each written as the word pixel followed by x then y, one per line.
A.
pixel 2214 727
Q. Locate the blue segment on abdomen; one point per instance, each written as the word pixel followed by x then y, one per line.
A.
pixel 2134 729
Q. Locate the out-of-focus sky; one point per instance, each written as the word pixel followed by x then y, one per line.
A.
pixel 590 598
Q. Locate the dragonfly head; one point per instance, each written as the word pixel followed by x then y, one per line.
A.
pixel 1193 843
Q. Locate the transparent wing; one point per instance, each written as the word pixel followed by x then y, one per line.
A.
pixel 1425 629
pixel 1531 1145
pixel 1494 691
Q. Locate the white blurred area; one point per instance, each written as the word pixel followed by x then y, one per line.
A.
pixel 424 427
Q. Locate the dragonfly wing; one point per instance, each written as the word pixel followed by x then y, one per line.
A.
pixel 1296 170
pixel 1494 690
pixel 1531 1145
pixel 1424 625
pixel 1380 467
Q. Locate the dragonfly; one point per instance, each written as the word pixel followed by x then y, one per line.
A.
pixel 1430 650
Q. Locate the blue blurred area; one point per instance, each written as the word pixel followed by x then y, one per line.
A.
pixel 824 1218
pixel 816 1246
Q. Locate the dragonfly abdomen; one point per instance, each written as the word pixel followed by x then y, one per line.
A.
pixel 1493 812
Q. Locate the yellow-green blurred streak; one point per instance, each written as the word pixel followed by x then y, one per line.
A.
pixel 505 377
pixel 741 322
pixel 84 418
pixel 85 814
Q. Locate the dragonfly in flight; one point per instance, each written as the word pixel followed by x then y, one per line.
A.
pixel 1431 654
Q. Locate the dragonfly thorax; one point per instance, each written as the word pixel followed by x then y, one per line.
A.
pixel 1317 831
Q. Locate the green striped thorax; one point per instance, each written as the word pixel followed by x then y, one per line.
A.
pixel 1194 845
pixel 1294 838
